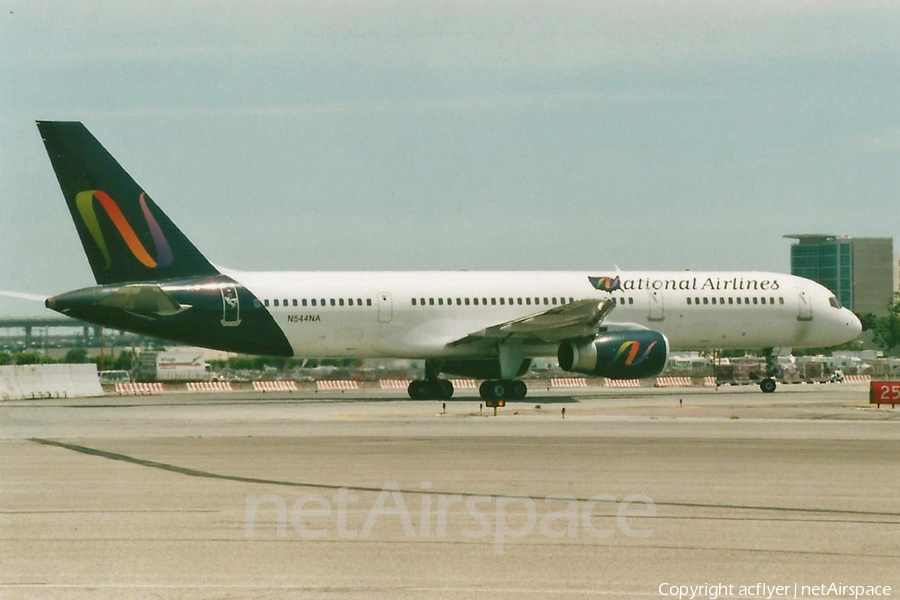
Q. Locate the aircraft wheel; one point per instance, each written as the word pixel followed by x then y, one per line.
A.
pixel 484 390
pixel 519 390
pixel 500 390
pixel 768 385
pixel 418 389
pixel 444 389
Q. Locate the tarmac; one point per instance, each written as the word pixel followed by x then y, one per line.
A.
pixel 367 495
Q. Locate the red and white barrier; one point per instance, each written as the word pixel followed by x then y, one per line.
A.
pixel 462 384
pixel 338 384
pixel 395 384
pixel 673 382
pixel 568 382
pixel 209 386
pixel 709 382
pixel 857 378
pixel 622 383
pixel 140 388
pixel 275 386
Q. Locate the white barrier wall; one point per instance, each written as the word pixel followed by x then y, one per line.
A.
pixel 49 381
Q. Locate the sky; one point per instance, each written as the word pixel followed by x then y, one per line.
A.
pixel 283 135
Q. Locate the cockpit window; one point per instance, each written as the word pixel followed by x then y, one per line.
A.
pixel 834 302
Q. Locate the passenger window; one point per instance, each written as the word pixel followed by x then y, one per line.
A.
pixel 440 301
pixel 275 301
pixel 349 301
pixel 705 300
pixel 359 301
pixel 285 302
pixel 755 300
pixel 546 301
pixel 459 301
pixel 771 300
pixel 267 302
pixel 368 302
pixel 294 302
pixel 303 302
pixel 332 301
pixel 484 301
pixel 322 301
pixel 341 301
pixel 689 300
pixel 502 301
pixel 762 300
pixel 730 300
pixel 739 300
pixel 313 301
pixel 696 300
pixel 431 301
pixel 422 301
pixel 467 301
pixel 519 301
pixel 475 300
pixel 780 300
pixel 511 302
pixel 714 300
pixel 528 301
pixel 631 301
pixel 571 299
pixel 493 302
pixel 413 301
pixel 553 300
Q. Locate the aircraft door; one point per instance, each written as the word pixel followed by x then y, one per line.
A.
pixel 657 309
pixel 805 307
pixel 231 307
pixel 385 308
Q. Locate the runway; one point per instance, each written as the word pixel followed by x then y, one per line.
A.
pixel 151 497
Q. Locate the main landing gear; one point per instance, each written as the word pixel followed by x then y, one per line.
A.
pixel 768 384
pixel 503 389
pixel 430 389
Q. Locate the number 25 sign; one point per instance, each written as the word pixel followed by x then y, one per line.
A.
pixel 884 392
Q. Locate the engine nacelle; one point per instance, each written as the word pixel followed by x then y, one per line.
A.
pixel 617 354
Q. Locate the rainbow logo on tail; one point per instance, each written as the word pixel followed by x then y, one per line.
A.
pixel 632 348
pixel 85 203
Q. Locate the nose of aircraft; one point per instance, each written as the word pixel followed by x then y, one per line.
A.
pixel 854 326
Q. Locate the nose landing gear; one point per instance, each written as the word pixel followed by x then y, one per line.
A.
pixel 769 384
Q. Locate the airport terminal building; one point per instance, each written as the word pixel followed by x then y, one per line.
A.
pixel 860 271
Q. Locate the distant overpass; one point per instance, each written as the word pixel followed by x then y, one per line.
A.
pixel 29 323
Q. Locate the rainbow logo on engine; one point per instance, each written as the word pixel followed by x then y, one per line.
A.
pixel 85 203
pixel 629 350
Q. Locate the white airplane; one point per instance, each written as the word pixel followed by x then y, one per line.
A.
pixel 488 325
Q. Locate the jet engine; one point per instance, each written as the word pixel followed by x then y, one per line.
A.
pixel 616 354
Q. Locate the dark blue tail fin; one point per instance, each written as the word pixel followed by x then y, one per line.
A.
pixel 125 235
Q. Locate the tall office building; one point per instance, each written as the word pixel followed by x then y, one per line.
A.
pixel 897 273
pixel 860 271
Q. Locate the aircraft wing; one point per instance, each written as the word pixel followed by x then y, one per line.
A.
pixel 576 319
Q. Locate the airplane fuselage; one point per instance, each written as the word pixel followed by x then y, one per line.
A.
pixel 417 314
